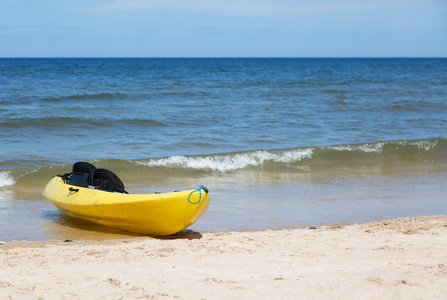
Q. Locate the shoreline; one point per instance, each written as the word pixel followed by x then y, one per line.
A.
pixel 387 259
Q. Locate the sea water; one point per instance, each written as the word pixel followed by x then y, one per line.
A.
pixel 279 142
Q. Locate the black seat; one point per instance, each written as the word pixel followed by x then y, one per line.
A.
pixel 78 180
pixel 84 169
pixel 107 180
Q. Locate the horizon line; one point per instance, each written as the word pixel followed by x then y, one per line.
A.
pixel 210 57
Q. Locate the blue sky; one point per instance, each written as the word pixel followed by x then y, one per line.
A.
pixel 230 28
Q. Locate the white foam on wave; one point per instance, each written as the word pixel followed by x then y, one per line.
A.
pixel 426 145
pixel 225 163
pixel 6 179
pixel 369 148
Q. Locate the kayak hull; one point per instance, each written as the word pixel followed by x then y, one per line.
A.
pixel 151 214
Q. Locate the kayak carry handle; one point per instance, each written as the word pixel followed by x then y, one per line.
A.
pixel 200 193
pixel 73 190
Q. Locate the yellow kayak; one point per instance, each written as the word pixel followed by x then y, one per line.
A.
pixel 152 214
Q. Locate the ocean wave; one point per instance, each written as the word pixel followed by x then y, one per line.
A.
pixel 94 96
pixel 378 147
pixel 80 122
pixel 366 158
pixel 391 152
pixel 6 179
pixel 230 162
pixel 416 105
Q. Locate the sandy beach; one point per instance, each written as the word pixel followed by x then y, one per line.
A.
pixel 389 259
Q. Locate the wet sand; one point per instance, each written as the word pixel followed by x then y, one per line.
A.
pixel 390 259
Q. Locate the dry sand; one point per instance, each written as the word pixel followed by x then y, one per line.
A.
pixel 392 259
